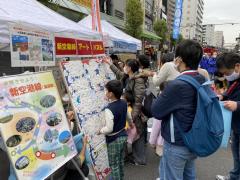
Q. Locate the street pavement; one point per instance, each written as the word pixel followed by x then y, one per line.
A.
pixel 207 168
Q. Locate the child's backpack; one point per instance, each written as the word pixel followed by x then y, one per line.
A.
pixel 207 131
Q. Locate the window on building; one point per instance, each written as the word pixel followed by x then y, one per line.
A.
pixel 148 24
pixel 148 7
pixel 119 14
pixel 106 6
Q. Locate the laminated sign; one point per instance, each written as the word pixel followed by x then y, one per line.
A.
pixel 85 82
pixel 31 47
pixel 34 126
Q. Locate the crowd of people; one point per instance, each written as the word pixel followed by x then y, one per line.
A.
pixel 176 101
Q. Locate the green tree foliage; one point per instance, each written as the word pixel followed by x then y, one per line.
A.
pixel 174 42
pixel 161 29
pixel 134 18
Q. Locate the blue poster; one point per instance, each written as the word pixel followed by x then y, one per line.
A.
pixel 121 46
pixel 227 120
pixel 177 19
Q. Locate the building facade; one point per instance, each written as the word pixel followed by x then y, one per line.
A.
pixel 164 9
pixel 237 47
pixel 192 17
pixel 218 39
pixel 170 14
pixel 149 14
pixel 114 8
pixel 208 34
pixel 157 9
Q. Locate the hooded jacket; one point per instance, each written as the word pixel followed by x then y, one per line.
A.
pixel 136 85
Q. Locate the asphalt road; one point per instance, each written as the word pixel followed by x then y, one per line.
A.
pixel 207 168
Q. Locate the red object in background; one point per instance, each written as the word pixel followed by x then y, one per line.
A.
pixel 97 47
pixel 65 46
pixel 84 47
pixel 209 50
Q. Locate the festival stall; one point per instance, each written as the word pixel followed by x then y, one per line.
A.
pixel 39 141
pixel 114 38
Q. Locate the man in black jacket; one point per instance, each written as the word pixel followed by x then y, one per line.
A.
pixel 229 65
pixel 179 100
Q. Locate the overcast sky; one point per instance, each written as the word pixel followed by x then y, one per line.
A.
pixel 223 11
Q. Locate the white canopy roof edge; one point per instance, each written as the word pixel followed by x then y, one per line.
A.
pixel 111 31
pixel 31 12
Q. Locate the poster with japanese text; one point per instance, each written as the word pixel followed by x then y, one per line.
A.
pixel 31 47
pixel 70 47
pixel 34 126
pixel 85 82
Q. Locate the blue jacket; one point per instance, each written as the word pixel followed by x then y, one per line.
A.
pixel 233 94
pixel 179 98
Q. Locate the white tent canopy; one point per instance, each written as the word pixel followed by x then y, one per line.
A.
pixel 111 31
pixel 31 12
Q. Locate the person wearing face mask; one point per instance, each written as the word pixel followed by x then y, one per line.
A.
pixel 179 99
pixel 229 65
pixel 135 85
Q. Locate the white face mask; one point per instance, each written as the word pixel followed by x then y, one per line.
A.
pixel 232 77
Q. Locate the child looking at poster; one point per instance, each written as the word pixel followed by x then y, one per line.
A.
pixel 114 129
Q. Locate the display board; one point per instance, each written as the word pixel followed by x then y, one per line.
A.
pixel 34 126
pixel 31 47
pixel 85 82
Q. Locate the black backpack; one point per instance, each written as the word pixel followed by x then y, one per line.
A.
pixel 148 99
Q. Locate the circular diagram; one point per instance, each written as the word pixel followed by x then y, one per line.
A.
pixel 22 163
pixel 47 101
pixel 25 125
pixel 50 135
pixel 14 141
pixel 54 119
pixel 64 137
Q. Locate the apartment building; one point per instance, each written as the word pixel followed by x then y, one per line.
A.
pixel 191 26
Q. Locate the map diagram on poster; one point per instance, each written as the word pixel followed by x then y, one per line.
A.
pixel 31 47
pixel 34 126
pixel 85 82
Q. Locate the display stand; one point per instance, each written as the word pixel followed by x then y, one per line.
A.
pixel 39 69
pixel 78 169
